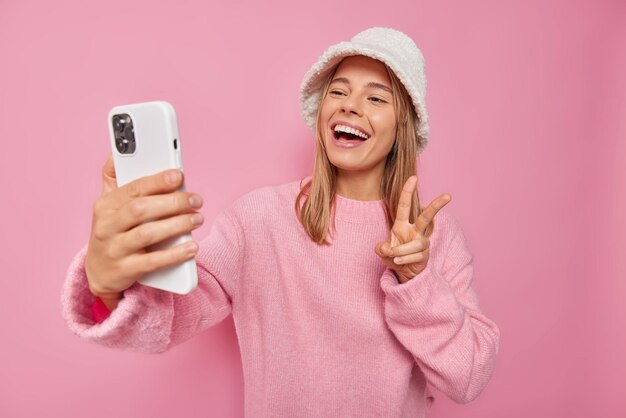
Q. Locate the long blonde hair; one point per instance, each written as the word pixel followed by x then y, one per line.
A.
pixel 316 211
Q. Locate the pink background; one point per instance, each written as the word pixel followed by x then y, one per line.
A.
pixel 527 104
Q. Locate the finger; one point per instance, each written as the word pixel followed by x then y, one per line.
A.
pixel 149 208
pixel 109 180
pixel 406 197
pixel 152 233
pixel 163 182
pixel 410 247
pixel 141 264
pixel 427 216
pixel 411 258
pixel 383 249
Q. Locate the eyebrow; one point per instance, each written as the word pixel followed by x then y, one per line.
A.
pixel 370 84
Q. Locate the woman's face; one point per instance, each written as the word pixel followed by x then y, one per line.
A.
pixel 358 119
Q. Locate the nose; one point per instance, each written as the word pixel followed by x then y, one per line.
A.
pixel 351 105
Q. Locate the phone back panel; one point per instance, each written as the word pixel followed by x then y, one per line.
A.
pixel 157 147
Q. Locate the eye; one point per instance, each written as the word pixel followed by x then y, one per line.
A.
pixel 377 100
pixel 336 92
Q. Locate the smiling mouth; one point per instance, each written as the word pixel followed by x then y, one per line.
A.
pixel 348 133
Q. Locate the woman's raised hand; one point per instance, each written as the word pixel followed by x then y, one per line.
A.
pixel 406 251
pixel 128 219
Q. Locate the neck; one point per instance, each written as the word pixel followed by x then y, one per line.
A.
pixel 359 185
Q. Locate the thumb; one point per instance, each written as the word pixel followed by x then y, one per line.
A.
pixel 383 249
pixel 109 180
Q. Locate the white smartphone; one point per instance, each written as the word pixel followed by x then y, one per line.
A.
pixel 145 141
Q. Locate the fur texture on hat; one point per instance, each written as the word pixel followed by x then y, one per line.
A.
pixel 393 48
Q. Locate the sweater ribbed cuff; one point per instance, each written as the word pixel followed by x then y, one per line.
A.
pixel 424 296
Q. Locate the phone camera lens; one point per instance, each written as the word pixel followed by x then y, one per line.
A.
pixel 117 125
pixel 129 132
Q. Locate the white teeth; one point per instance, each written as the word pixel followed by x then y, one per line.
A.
pixel 347 129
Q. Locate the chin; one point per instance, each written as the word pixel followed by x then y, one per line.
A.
pixel 348 165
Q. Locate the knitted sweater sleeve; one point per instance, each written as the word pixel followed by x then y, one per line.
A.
pixel 151 320
pixel 436 317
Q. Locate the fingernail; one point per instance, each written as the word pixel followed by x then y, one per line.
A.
pixel 191 247
pixel 195 201
pixel 173 177
pixel 197 219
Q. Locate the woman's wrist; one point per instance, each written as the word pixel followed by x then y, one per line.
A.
pixel 110 300
pixel 401 279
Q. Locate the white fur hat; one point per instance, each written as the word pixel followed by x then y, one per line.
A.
pixel 390 46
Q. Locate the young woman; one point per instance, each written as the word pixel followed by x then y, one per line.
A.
pixel 348 297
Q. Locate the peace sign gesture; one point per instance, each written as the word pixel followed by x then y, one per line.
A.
pixel 406 251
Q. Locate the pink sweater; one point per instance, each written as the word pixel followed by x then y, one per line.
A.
pixel 323 331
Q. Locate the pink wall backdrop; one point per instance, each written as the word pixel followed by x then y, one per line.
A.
pixel 527 102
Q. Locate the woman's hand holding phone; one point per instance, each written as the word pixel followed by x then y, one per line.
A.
pixel 130 218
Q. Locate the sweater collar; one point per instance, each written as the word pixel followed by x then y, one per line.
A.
pixel 359 211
